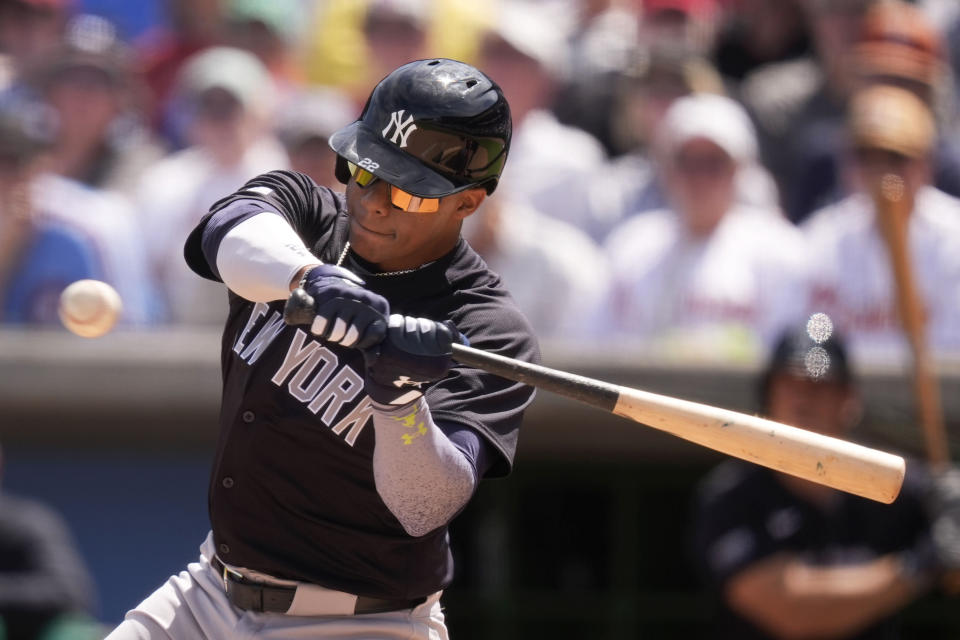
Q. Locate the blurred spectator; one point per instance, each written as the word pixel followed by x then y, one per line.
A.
pixel 46 592
pixel 897 46
pixel 31 29
pixel 787 558
pixel 193 25
pixel 691 24
pixel 550 163
pixel 38 257
pixel 304 125
pixel 528 249
pixel 708 273
pixel 890 130
pixel 395 32
pixel 789 100
pixel 599 50
pixel 223 102
pixel 101 139
pixel 758 32
pixel 631 184
pixel 269 29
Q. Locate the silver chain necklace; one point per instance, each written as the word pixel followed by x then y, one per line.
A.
pixel 346 250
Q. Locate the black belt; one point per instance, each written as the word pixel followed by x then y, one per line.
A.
pixel 258 596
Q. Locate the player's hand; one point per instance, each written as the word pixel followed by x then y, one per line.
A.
pixel 416 351
pixel 345 312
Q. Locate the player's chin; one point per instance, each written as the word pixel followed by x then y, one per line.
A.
pixel 369 243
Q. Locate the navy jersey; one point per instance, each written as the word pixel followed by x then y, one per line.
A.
pixel 744 514
pixel 292 491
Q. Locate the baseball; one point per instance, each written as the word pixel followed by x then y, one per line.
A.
pixel 89 308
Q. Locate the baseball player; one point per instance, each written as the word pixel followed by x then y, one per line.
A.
pixel 787 558
pixel 347 446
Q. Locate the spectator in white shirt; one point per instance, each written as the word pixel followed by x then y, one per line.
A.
pixel 223 99
pixel 707 275
pixel 890 131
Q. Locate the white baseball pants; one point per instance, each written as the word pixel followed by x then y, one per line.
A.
pixel 194 606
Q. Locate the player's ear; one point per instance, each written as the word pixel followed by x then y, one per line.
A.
pixel 469 201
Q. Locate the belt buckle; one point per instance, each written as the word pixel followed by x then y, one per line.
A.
pixel 227 574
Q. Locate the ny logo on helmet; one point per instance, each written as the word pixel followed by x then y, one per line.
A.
pixel 401 128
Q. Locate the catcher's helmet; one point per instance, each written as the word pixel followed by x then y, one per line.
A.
pixel 432 128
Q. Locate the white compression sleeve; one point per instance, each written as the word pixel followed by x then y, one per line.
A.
pixel 259 257
pixel 420 475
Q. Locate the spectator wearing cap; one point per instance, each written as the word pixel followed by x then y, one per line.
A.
pixel 101 140
pixel 706 274
pixel 631 184
pixel 304 125
pixel 899 46
pixel 223 105
pixel 38 256
pixel 889 130
pixel 787 558
pixel 269 29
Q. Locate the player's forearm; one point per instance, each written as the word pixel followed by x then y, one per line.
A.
pixel 792 599
pixel 420 475
pixel 259 258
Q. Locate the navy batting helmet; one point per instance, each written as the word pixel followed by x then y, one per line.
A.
pixel 432 128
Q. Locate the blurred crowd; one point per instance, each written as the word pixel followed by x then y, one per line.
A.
pixel 689 176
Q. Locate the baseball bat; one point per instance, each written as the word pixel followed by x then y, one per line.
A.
pixel 822 459
pixel 893 205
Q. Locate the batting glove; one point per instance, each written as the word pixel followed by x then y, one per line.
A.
pixel 415 352
pixel 346 312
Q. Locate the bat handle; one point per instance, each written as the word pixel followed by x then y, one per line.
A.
pixel 299 308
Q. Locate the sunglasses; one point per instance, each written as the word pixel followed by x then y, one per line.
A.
pixel 400 198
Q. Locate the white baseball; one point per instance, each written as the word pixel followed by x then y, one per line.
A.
pixel 89 308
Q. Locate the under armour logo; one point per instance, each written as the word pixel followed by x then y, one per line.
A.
pixel 405 381
pixel 401 128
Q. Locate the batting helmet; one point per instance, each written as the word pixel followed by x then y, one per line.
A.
pixel 432 128
pixel 801 353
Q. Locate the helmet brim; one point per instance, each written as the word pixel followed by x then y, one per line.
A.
pixel 356 143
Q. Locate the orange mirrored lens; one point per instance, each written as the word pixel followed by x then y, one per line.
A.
pixel 412 203
pixel 400 198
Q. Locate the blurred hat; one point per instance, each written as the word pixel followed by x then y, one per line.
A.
pixel 317 113
pixel 898 40
pixel 890 118
pixel 536 30
pixel 89 42
pixel 813 351
pixel 283 17
pixel 711 117
pixel 235 71
pixel 27 125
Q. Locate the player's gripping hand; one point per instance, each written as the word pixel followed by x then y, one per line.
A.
pixel 416 351
pixel 345 312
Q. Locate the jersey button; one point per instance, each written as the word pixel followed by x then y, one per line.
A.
pixel 224 547
pixel 227 482
pixel 248 416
